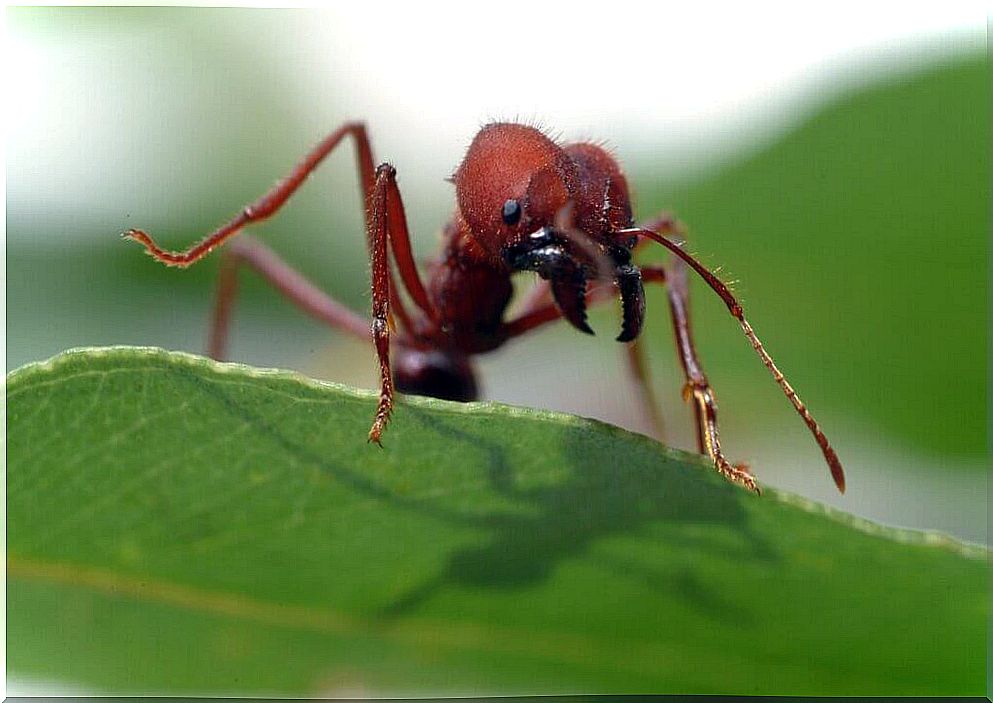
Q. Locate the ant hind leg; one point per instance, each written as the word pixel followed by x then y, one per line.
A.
pixel 247 251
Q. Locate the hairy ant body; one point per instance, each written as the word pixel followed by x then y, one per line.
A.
pixel 524 203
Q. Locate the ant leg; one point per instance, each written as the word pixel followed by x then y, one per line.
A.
pixel 312 300
pixel 384 216
pixel 308 297
pixel 697 386
pixel 536 313
pixel 734 307
pixel 271 202
pixel 378 232
pixel 539 295
pixel 388 226
pixel 634 352
pixel 663 223
pixel 529 320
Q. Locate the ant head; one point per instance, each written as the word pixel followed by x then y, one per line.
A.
pixel 513 181
pixel 540 207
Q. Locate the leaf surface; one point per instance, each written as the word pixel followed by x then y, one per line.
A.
pixel 181 526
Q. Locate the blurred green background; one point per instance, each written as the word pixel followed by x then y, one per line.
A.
pixel 855 224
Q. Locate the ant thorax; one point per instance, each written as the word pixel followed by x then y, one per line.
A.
pixel 470 293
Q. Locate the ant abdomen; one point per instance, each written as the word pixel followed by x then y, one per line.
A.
pixel 435 373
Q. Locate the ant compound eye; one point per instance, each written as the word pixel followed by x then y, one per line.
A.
pixel 511 213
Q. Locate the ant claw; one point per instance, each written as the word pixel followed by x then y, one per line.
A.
pixel 632 302
pixel 570 296
pixel 375 434
pixel 737 473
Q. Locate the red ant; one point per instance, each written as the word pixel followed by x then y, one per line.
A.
pixel 524 203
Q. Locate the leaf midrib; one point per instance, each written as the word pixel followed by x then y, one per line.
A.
pixel 634 655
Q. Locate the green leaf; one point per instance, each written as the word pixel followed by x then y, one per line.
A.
pixel 831 232
pixel 182 526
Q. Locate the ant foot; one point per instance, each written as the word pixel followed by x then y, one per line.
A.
pixel 737 473
pixel 379 424
pixel 169 258
pixel 136 235
pixel 376 433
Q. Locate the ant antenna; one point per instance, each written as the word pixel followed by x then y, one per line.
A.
pixel 837 473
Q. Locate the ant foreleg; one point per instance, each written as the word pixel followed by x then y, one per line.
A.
pixel 378 233
pixel 734 307
pixel 387 224
pixel 250 252
pixel 697 386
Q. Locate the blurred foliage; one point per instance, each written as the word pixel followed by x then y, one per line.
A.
pixel 860 242
pixel 170 120
pixel 210 529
